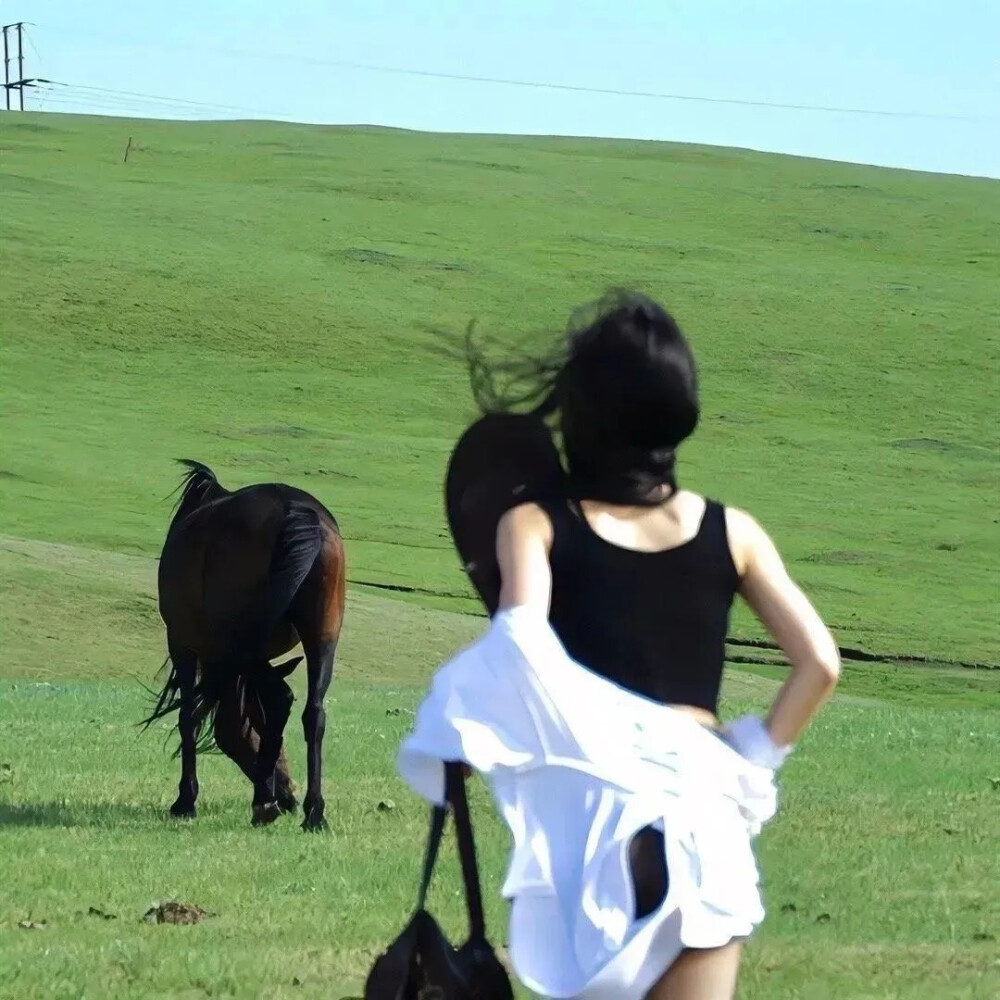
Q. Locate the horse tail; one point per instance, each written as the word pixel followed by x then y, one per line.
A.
pixel 296 549
pixel 167 700
pixel 206 701
pixel 198 485
pixel 297 546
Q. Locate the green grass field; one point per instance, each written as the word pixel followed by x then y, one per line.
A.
pixel 268 299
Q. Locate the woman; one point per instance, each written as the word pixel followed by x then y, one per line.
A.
pixel 591 704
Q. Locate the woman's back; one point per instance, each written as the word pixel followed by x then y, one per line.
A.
pixel 637 578
pixel 642 595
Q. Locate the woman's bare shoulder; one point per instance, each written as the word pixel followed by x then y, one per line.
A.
pixel 747 537
pixel 524 539
pixel 741 522
pixel 526 520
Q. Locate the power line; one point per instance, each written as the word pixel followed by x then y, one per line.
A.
pixel 548 85
pixel 85 103
pixel 179 101
pixel 38 56
pixel 641 93
pixel 30 41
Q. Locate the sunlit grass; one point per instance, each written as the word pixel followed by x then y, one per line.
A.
pixel 268 299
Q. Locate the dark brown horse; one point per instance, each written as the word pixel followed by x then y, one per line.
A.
pixel 244 576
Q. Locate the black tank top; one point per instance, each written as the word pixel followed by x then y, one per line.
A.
pixel 653 622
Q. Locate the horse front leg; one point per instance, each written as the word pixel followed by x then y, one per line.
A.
pixel 319 660
pixel 186 667
pixel 276 703
pixel 238 725
pixel 284 786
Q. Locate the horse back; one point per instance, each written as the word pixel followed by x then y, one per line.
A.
pixel 217 560
pixel 282 491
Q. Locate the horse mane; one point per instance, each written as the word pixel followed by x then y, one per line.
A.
pixel 198 485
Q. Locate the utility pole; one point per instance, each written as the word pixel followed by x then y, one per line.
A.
pixel 9 31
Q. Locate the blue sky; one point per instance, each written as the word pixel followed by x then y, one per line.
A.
pixel 290 60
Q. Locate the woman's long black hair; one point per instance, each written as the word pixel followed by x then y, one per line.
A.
pixel 621 393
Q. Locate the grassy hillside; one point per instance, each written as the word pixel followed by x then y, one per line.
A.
pixel 268 299
pixel 264 298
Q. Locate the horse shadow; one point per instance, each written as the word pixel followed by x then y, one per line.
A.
pixel 64 814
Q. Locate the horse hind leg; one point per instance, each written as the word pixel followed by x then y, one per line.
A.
pixel 185 665
pixel 319 660
pixel 317 613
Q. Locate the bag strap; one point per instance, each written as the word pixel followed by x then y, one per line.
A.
pixel 438 816
pixel 455 791
pixel 455 796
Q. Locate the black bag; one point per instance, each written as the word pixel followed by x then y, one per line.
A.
pixel 421 962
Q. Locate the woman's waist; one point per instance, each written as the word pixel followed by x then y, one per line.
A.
pixel 649 699
pixel 701 715
pixel 690 686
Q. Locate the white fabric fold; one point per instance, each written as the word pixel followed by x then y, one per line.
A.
pixel 577 766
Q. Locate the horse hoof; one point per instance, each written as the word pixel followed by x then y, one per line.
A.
pixel 265 813
pixel 182 810
pixel 315 824
pixel 288 803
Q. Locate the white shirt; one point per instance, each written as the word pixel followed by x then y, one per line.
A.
pixel 578 765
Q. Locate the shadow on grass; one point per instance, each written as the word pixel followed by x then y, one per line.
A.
pixel 75 814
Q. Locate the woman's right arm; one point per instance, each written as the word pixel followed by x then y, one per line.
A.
pixel 524 537
pixel 794 624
